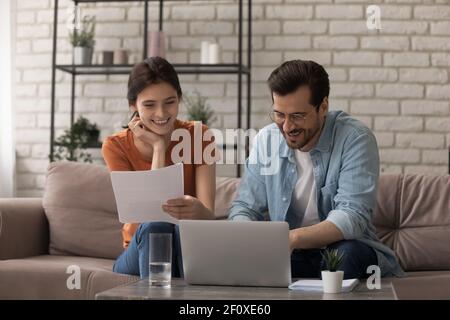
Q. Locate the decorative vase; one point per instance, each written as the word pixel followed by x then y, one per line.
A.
pixel 82 55
pixel 156 44
pixel 107 57
pixel 120 56
pixel 332 281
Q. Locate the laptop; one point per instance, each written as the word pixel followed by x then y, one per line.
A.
pixel 232 253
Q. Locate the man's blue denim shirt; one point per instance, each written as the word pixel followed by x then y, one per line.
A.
pixel 346 171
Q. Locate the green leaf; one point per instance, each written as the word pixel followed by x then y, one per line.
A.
pixel 198 109
pixel 85 36
pixel 333 259
pixel 72 143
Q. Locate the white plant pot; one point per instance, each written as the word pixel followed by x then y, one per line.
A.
pixel 332 281
pixel 82 55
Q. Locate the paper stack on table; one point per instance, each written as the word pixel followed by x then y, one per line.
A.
pixel 141 194
pixel 317 285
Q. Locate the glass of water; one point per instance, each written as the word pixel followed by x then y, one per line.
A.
pixel 160 259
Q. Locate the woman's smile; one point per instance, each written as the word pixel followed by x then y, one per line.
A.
pixel 161 123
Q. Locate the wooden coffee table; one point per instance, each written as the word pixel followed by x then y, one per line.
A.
pixel 140 290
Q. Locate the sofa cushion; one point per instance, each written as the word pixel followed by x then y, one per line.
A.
pixel 412 218
pixel 226 189
pixel 81 210
pixel 46 277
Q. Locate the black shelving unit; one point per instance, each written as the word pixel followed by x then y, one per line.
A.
pixel 237 68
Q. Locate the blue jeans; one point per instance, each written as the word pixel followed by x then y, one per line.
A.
pixel 357 257
pixel 134 260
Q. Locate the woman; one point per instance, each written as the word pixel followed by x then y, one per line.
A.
pixel 154 95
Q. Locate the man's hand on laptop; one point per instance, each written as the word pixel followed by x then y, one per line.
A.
pixel 187 207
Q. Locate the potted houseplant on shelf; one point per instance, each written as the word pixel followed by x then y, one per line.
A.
pixel 83 42
pixel 198 109
pixel 332 277
pixel 72 144
pixel 87 131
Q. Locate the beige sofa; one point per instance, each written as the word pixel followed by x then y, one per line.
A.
pixel 75 224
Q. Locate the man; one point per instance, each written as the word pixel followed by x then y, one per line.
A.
pixel 321 177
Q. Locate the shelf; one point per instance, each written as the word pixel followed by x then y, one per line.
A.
pixel 239 67
pixel 95 145
pixel 180 68
pixel 226 146
pixel 89 1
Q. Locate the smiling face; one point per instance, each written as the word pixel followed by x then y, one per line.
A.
pixel 158 106
pixel 302 134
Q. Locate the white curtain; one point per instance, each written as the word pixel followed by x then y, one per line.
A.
pixel 7 150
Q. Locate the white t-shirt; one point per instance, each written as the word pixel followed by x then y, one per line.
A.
pixel 304 195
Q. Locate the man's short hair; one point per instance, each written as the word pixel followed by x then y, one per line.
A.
pixel 289 76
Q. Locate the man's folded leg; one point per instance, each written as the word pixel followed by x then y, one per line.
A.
pixel 308 263
pixel 305 263
pixel 357 257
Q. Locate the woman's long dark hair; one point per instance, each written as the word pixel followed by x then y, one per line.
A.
pixel 151 71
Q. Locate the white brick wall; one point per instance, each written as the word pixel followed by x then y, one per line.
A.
pixel 396 80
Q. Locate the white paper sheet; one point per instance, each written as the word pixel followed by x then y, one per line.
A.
pixel 317 285
pixel 141 194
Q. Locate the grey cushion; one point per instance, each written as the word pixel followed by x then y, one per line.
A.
pixel 412 217
pixel 81 210
pixel 226 189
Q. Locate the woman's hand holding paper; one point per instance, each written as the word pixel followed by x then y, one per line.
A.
pixel 187 207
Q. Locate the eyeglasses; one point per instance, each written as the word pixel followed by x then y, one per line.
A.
pixel 296 118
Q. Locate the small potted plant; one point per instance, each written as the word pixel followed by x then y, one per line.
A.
pixel 88 132
pixel 83 41
pixel 198 110
pixel 72 144
pixel 332 277
pixel 93 135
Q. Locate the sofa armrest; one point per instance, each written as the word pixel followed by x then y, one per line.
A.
pixel 24 228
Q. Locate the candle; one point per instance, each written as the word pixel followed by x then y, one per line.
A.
pixel 214 53
pixel 204 54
